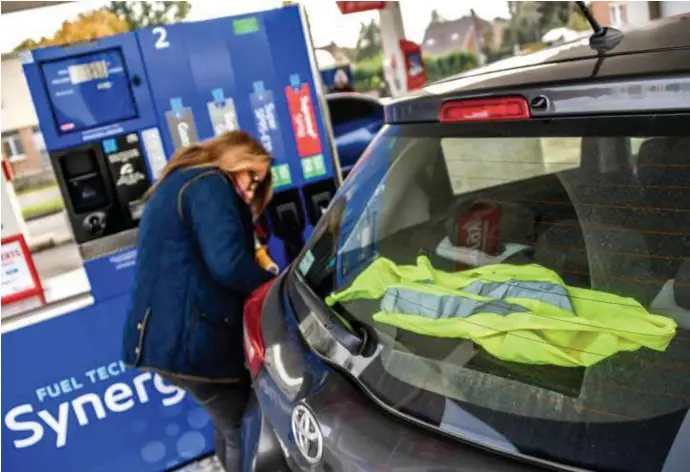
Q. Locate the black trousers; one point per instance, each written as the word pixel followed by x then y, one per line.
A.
pixel 225 403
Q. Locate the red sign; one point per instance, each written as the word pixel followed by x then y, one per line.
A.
pixel 355 7
pixel 303 120
pixel 414 64
pixel 19 276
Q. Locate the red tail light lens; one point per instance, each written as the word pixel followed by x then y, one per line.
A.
pixel 490 109
pixel 254 349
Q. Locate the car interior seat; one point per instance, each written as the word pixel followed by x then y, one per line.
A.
pixel 664 176
pixel 601 249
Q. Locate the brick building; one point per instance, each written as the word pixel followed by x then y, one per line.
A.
pixel 465 34
pixel 459 35
pixel 630 14
pixel 22 143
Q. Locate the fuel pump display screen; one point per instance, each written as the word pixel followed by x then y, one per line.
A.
pixel 89 90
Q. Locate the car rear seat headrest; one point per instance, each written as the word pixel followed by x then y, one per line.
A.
pixel 662 151
pixel 603 156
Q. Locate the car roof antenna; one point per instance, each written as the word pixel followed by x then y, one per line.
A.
pixel 604 38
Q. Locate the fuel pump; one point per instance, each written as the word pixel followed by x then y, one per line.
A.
pixel 113 109
pixel 95 112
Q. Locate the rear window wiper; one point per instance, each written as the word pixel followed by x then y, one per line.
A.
pixel 350 335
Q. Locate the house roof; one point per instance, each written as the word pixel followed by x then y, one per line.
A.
pixel 449 36
pixel 445 29
pixel 340 54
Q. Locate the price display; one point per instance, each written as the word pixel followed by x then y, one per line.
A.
pixel 81 73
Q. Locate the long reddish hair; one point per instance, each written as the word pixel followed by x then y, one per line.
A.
pixel 244 151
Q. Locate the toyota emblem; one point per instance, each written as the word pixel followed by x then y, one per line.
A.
pixel 307 434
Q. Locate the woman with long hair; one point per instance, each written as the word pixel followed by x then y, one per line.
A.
pixel 195 267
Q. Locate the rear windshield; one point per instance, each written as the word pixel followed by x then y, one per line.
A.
pixel 528 285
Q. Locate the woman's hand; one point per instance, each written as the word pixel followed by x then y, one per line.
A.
pixel 273 269
pixel 265 261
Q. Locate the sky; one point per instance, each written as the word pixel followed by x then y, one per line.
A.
pixel 327 23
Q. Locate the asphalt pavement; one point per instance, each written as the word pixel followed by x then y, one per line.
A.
pixel 57 260
pixel 55 225
pixel 53 247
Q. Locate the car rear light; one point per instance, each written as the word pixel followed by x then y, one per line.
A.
pixel 254 349
pixel 485 109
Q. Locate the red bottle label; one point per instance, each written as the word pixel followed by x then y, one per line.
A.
pixel 303 121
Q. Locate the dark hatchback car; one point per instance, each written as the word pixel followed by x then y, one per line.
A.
pixel 502 283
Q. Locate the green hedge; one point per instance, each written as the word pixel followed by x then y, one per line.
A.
pixel 499 54
pixel 46 208
pixel 440 67
pixel 368 75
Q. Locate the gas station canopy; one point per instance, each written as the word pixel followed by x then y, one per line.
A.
pixel 12 7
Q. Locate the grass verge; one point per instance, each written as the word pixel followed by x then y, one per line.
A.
pixel 38 188
pixel 48 207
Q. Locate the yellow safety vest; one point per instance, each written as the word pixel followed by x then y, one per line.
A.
pixel 516 313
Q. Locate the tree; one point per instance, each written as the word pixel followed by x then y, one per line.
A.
pixel 86 26
pixel 487 38
pixel 529 21
pixel 553 15
pixel 525 25
pixel 369 41
pixel 578 22
pixel 118 17
pixel 144 14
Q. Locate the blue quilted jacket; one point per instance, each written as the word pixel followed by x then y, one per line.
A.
pixel 195 267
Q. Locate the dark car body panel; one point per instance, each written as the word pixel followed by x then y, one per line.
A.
pixel 562 100
pixel 662 48
pixel 360 431
pixel 574 78
pixel 666 33
pixel 262 450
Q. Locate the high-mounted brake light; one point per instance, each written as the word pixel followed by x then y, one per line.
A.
pixel 254 349
pixel 485 109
